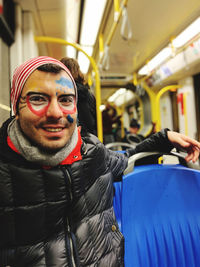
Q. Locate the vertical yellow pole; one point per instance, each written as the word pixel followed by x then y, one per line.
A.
pixel 89 80
pixel 157 104
pixel 98 100
pixel 116 5
pixel 101 45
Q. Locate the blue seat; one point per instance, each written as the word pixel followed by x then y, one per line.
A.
pixel 160 216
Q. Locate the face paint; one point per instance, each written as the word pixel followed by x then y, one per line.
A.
pixel 39 103
pixel 65 82
pixel 70 119
pixel 67 104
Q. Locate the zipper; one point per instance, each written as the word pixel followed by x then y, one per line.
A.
pixel 70 247
pixel 71 244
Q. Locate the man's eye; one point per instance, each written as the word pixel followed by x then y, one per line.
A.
pixel 66 100
pixel 38 99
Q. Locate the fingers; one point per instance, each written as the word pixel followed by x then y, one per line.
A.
pixel 181 141
pixel 191 141
pixel 193 154
pixel 196 155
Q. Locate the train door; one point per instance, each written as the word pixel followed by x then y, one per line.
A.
pixel 6 39
pixel 186 107
pixel 196 79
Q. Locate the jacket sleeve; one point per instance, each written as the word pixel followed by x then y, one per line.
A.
pixel 156 142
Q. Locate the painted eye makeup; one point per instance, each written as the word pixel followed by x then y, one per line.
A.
pixel 67 103
pixel 39 103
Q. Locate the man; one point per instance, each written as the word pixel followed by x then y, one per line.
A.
pixel 134 126
pixel 109 118
pixel 55 187
pixel 132 136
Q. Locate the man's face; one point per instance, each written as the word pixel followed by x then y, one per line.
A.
pixel 47 109
pixel 133 130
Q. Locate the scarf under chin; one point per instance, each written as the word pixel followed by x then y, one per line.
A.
pixel 36 154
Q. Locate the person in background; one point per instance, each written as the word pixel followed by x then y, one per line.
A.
pixel 109 117
pixel 132 135
pixel 56 186
pixel 134 126
pixel 86 104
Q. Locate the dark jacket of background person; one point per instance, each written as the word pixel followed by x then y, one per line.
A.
pixel 86 104
pixel 109 116
pixel 49 215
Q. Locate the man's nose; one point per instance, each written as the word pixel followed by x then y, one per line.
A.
pixel 54 109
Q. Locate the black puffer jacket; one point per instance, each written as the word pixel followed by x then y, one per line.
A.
pixel 62 216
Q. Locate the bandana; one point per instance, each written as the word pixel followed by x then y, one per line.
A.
pixel 22 73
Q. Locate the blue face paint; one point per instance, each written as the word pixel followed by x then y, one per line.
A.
pixel 65 82
pixel 70 119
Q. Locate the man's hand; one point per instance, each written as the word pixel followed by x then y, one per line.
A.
pixel 181 141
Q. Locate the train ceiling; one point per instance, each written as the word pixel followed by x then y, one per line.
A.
pixel 153 23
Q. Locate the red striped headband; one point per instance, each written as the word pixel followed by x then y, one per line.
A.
pixel 22 73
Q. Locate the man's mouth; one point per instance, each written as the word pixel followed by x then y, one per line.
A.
pixel 48 129
pixel 53 129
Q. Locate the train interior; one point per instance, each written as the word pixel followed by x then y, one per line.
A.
pixel 142 58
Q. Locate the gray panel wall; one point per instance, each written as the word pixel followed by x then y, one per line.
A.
pixel 4 81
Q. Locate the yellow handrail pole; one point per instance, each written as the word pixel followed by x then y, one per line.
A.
pixel 114 25
pixel 185 112
pixel 101 45
pixel 158 96
pixel 60 41
pixel 116 5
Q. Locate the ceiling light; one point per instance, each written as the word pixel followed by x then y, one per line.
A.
pixel 126 97
pixel 102 107
pixel 160 58
pixel 83 61
pixel 117 93
pixel 156 61
pixel 144 70
pixel 187 34
pixel 71 24
pixel 92 16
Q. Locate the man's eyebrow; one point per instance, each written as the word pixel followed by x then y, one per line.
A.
pixel 44 94
pixel 65 94
pixel 36 93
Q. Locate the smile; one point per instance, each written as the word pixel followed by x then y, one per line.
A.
pixel 53 129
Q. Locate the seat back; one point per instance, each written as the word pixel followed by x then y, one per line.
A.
pixel 161 216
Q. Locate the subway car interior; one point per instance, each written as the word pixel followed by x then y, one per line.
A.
pixel 141 60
